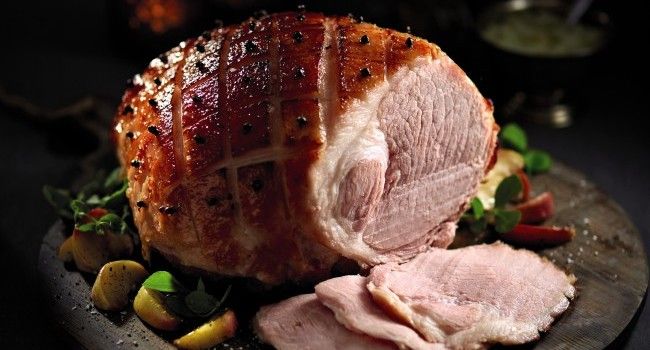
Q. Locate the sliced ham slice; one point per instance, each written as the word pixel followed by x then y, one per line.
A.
pixel 474 296
pixel 303 323
pixel 353 307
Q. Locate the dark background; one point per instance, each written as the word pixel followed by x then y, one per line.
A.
pixel 55 53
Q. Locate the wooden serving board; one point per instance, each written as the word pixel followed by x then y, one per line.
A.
pixel 606 256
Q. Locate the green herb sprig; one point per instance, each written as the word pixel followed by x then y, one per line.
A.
pixel 184 302
pixel 103 191
pixel 503 220
pixel 514 137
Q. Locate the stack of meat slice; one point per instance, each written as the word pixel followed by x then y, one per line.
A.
pixel 464 298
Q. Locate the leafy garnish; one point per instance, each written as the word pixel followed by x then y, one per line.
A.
pixel 514 137
pixel 102 192
pixel 508 189
pixel 505 220
pixel 477 208
pixel 190 304
pixel 163 281
pixel 502 219
pixel 200 303
pixel 537 161
pixel 107 223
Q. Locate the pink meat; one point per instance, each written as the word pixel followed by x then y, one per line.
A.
pixel 303 323
pixel 353 307
pixel 474 296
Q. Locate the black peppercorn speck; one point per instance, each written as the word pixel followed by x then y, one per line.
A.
pixel 246 128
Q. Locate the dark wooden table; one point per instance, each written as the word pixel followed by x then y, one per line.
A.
pixel 56 53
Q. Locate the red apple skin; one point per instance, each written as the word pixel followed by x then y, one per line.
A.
pixel 538 209
pixel 535 236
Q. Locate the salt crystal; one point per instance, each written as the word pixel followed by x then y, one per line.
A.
pixel 119 342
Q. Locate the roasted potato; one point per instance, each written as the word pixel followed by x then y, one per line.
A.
pixel 114 282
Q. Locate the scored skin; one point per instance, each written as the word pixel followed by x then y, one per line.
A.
pixel 241 115
pixel 238 96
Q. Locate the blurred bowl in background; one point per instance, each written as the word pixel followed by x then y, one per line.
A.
pixel 535 51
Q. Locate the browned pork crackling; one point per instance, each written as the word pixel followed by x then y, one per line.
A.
pixel 275 148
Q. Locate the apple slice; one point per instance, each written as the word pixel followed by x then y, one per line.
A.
pixel 150 307
pixel 211 333
pixel 114 282
pixel 529 235
pixel 537 210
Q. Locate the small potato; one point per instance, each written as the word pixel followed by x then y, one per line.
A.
pixel 114 282
pixel 65 250
pixel 89 251
pixel 149 306
pixel 215 331
pixel 119 245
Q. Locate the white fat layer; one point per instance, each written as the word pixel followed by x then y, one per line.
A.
pixel 357 136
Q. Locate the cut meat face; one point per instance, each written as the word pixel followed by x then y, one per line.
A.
pixel 353 307
pixel 274 148
pixel 303 323
pixel 410 155
pixel 469 297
